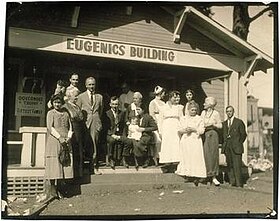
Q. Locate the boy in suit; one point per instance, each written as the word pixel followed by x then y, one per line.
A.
pixel 114 125
pixel 91 104
pixel 234 134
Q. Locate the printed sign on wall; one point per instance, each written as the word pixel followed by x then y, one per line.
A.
pixel 28 104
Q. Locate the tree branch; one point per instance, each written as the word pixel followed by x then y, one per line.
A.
pixel 259 14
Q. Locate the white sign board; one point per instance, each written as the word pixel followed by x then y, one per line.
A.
pixel 82 45
pixel 28 104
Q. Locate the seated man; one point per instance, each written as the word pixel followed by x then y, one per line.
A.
pixel 142 147
pixel 114 124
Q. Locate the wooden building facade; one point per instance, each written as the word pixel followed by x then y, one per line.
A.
pixel 144 44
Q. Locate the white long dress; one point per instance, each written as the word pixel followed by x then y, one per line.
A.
pixel 192 162
pixel 169 125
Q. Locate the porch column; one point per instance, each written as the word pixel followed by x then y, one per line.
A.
pixel 242 112
pixel 233 91
pixel 238 99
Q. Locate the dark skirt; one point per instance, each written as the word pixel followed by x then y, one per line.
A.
pixel 78 145
pixel 211 152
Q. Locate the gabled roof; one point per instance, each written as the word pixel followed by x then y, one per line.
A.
pixel 226 38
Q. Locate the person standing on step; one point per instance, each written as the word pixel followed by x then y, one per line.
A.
pixel 190 97
pixel 126 97
pixel 192 164
pixel 58 153
pixel 74 81
pixel 234 135
pixel 92 104
pixel 169 126
pixel 154 109
pixel 212 122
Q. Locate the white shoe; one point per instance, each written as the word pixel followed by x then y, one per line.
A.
pixel 216 182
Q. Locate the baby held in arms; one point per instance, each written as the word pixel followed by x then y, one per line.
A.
pixel 133 127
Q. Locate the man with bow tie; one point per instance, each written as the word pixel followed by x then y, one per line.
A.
pixel 115 126
pixel 234 135
pixel 91 104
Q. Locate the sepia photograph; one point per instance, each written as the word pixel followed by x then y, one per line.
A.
pixel 138 110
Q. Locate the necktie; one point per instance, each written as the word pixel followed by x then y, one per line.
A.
pixel 229 124
pixel 116 120
pixel 91 99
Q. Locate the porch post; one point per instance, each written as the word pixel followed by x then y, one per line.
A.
pixel 242 112
pixel 238 99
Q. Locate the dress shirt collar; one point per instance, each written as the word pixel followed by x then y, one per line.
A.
pixel 230 119
pixel 89 92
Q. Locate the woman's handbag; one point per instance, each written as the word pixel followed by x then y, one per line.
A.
pixel 64 155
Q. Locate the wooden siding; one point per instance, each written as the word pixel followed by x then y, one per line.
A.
pixel 148 24
pixel 215 89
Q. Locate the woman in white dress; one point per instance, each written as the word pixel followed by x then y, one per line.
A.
pixel 169 125
pixel 192 164
pixel 154 108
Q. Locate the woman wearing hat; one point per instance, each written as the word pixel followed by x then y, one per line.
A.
pixel 59 133
pixel 212 122
pixel 154 108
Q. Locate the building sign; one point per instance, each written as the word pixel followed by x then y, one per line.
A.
pixel 133 52
pixel 93 46
pixel 28 104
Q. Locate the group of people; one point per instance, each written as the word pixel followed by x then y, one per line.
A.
pixel 165 133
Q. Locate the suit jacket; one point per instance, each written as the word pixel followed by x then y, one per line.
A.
pixel 235 137
pixel 150 125
pixel 94 112
pixel 111 124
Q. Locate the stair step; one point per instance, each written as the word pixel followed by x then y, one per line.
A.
pixel 131 170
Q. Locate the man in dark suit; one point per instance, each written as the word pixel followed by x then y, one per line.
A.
pixel 114 125
pixel 91 104
pixel 234 134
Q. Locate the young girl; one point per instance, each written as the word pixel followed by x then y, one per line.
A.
pixel 190 97
pixel 192 162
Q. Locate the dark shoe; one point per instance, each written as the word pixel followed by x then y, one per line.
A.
pixel 125 164
pixel 112 164
pixel 196 182
pixel 53 191
pixel 202 181
pixel 146 163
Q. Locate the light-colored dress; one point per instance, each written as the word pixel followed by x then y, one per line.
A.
pixel 169 125
pixel 58 124
pixel 154 108
pixel 211 142
pixel 186 109
pixel 133 132
pixel 192 162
